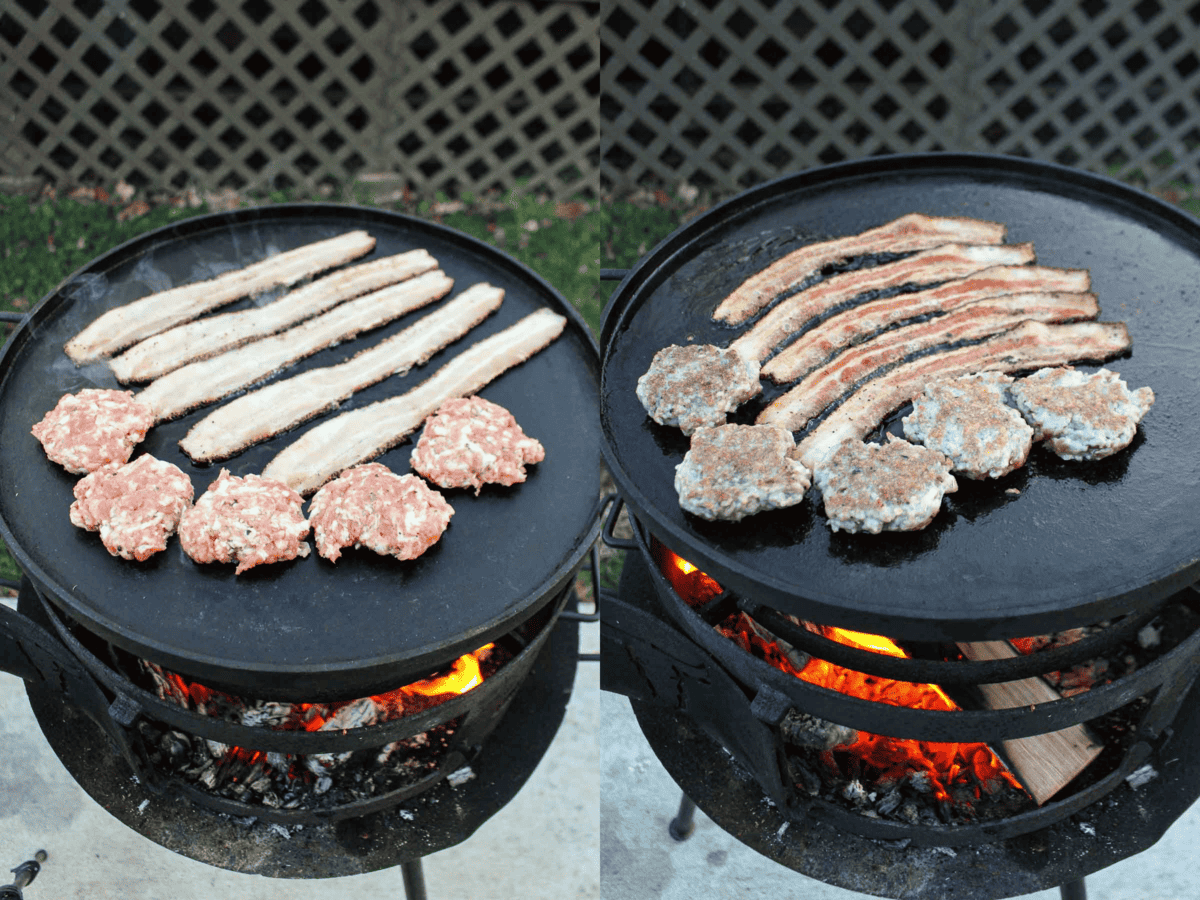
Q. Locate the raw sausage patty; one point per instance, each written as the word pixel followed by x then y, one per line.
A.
pixel 135 506
pixel 93 428
pixel 370 506
pixel 470 442
pixel 248 521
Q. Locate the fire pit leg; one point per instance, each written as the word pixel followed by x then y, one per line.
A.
pixel 681 826
pixel 414 880
pixel 1076 890
pixel 25 873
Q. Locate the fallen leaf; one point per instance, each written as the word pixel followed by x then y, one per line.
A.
pixel 661 198
pixel 570 211
pixel 125 191
pixel 133 210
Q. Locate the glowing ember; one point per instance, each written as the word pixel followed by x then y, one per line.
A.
pixel 690 583
pixel 880 758
pixel 462 675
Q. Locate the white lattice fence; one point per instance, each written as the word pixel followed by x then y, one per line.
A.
pixel 456 95
pixel 726 93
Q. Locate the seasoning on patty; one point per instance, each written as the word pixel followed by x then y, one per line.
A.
pixel 135 506
pixel 470 442
pixel 370 506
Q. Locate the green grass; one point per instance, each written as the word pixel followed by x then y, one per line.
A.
pixel 45 241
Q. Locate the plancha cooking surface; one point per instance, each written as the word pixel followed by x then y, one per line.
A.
pixel 1070 542
pixel 307 625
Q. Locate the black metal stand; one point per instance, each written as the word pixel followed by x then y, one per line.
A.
pixel 682 826
pixel 414 880
pixel 1076 890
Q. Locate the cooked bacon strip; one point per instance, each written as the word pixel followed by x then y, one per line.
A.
pixel 1030 345
pixel 911 232
pixel 286 403
pixel 208 380
pixel 837 332
pixel 980 319
pixel 125 325
pixel 363 434
pixel 940 264
pixel 207 337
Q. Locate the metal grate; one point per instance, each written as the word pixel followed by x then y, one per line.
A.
pixel 465 95
pixel 727 93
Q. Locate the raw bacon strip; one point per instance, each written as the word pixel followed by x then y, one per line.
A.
pixel 1028 346
pixel 125 325
pixel 284 404
pixel 207 381
pixel 980 319
pixel 940 264
pixel 837 332
pixel 363 434
pixel 911 232
pixel 207 337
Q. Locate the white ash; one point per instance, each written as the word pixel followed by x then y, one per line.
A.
pixel 460 776
pixel 142 806
pixel 855 793
pixel 804 730
pixel 406 814
pixel 1149 637
pixel 358 714
pixel 1088 828
pixel 1141 777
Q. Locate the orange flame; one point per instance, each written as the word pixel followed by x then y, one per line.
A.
pixel 884 758
pixel 464 674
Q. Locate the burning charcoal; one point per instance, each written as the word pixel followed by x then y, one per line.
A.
pixel 1082 677
pixel 921 781
pixel 358 714
pixel 267 715
pixel 216 749
pixel 890 802
pixel 855 793
pixel 271 799
pixel 280 762
pixel 797 658
pixel 176 746
pixel 803 777
pixel 803 730
pixel 208 776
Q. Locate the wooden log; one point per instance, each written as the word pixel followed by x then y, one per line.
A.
pixel 1043 763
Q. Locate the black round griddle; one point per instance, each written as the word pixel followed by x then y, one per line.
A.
pixel 1080 542
pixel 307 629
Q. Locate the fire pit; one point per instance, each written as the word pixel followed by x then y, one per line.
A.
pixel 724 667
pixel 250 695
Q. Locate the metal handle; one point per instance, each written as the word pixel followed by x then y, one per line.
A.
pixel 608 536
pixel 613 274
pixel 12 317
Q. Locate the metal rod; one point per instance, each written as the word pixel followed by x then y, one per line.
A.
pixel 414 880
pixel 682 825
pixel 1075 890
